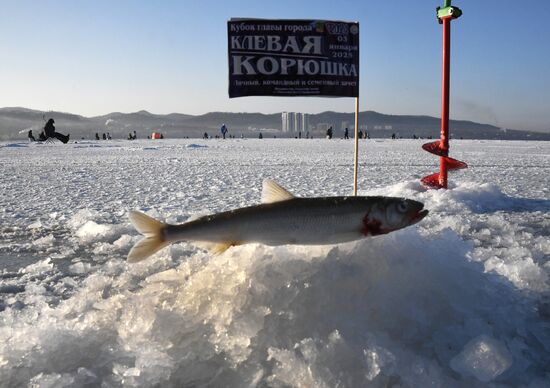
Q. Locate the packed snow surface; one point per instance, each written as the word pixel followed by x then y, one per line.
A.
pixel 459 300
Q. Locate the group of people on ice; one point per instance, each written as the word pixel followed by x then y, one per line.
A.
pixel 360 134
pixel 49 132
pixel 104 136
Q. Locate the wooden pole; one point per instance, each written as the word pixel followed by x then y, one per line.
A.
pixel 356 138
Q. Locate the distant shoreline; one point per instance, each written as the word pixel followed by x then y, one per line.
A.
pixel 16 122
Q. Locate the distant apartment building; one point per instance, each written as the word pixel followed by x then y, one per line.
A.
pixel 293 122
pixel 305 122
pixel 287 121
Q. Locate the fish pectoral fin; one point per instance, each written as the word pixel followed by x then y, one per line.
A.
pixel 273 192
pixel 215 248
pixel 218 249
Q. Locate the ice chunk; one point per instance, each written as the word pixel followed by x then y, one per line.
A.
pixel 291 370
pixel 39 267
pixel 35 225
pixel 51 380
pixel 45 241
pixel 81 217
pixel 91 230
pixel 80 268
pixel 483 357
pixel 376 358
pixel 123 242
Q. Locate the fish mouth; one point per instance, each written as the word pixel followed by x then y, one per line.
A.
pixel 418 212
pixel 419 216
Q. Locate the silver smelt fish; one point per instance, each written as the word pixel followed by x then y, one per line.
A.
pixel 282 219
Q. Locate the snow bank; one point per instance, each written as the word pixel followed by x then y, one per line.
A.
pixel 401 306
pixel 461 299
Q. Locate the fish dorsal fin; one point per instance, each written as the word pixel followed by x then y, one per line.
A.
pixel 273 192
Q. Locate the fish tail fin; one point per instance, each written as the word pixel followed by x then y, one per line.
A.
pixel 154 237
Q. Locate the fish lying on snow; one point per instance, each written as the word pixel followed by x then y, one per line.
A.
pixel 282 219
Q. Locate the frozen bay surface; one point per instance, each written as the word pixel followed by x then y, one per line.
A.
pixel 461 299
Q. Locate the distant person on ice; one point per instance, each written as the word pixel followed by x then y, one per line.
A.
pixel 346 134
pixel 31 136
pixel 329 133
pixel 223 130
pixel 49 131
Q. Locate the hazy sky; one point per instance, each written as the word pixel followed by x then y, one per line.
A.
pixel 94 57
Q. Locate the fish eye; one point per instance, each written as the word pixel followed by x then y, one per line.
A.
pixel 402 207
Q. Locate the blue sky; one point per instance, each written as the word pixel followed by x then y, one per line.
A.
pixel 95 57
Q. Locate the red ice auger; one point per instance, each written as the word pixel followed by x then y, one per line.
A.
pixel 441 147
